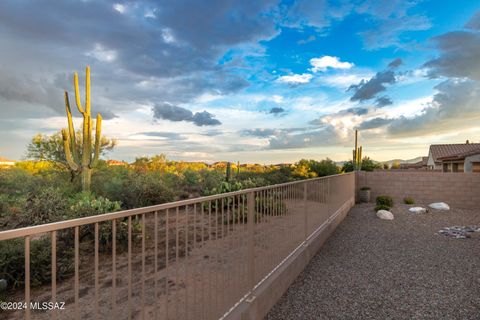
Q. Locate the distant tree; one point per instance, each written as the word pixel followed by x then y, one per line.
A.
pixel 347 166
pixel 395 165
pixel 50 148
pixel 370 165
pixel 303 169
pixel 385 166
pixel 324 168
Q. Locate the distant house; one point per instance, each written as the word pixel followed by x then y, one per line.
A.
pixel 460 157
pixel 6 163
pixel 116 163
pixel 420 165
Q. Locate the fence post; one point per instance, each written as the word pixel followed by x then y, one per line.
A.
pixel 305 213
pixel 251 239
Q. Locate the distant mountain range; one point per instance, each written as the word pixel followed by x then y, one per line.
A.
pixel 389 162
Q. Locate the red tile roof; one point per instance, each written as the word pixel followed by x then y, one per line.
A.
pixel 442 151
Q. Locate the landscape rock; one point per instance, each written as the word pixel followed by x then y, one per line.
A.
pixel 385 215
pixel 3 285
pixel 417 210
pixel 459 232
pixel 439 206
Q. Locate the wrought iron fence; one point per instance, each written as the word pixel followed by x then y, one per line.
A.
pixel 191 259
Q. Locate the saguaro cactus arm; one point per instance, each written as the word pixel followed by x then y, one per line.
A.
pixel 98 135
pixel 68 153
pixel 71 129
pixel 77 93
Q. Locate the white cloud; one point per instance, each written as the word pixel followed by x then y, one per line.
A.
pixel 343 80
pixel 119 7
pixel 102 54
pixel 321 64
pixel 296 78
pixel 167 36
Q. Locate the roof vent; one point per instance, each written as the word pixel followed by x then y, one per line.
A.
pixel 467 142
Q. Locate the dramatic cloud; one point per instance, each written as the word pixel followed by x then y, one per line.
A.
pixel 383 101
pixel 276 111
pixel 324 135
pixel 373 123
pixel 260 132
pixel 366 90
pixel 456 105
pixel 395 63
pixel 296 78
pixel 170 112
pixel 460 54
pixel 325 62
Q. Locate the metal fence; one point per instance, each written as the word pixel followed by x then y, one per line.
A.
pixel 191 259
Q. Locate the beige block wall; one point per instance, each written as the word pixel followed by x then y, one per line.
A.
pixel 461 190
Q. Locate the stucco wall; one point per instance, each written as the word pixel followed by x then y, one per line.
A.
pixel 468 162
pixel 459 190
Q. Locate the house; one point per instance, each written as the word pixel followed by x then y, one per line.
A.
pixel 460 157
pixel 116 163
pixel 6 163
pixel 420 165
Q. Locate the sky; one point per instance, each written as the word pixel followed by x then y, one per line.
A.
pixel 249 81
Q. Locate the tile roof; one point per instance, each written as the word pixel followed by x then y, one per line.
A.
pixel 440 151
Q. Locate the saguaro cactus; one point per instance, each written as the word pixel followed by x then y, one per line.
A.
pixel 82 162
pixel 357 155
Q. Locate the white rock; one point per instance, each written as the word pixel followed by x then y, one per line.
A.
pixel 385 215
pixel 439 206
pixel 417 210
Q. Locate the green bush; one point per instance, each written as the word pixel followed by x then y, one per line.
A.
pixel 145 189
pixel 85 204
pixel 385 200
pixel 12 259
pixel 43 206
pixel 408 200
pixel 382 207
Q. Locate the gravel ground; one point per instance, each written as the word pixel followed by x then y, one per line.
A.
pixel 400 269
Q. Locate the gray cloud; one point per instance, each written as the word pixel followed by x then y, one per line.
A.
pixel 456 105
pixel 366 90
pixel 459 55
pixel 397 62
pixel 260 132
pixel 383 101
pixel 205 118
pixel 321 136
pixel 170 112
pixel 276 111
pixel 474 22
pixel 374 123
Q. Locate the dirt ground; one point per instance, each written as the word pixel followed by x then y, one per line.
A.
pixel 205 274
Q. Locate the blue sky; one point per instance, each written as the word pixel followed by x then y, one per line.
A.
pixel 264 81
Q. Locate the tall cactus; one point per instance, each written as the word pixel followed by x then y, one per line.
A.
pixel 82 163
pixel 357 155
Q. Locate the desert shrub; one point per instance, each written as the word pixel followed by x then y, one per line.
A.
pixel 408 200
pixel 145 189
pixel 85 204
pixel 12 259
pixel 385 200
pixel 109 182
pixel 44 205
pixel 382 207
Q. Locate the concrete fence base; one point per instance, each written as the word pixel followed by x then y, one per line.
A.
pixel 267 293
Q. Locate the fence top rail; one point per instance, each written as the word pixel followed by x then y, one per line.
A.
pixel 54 226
